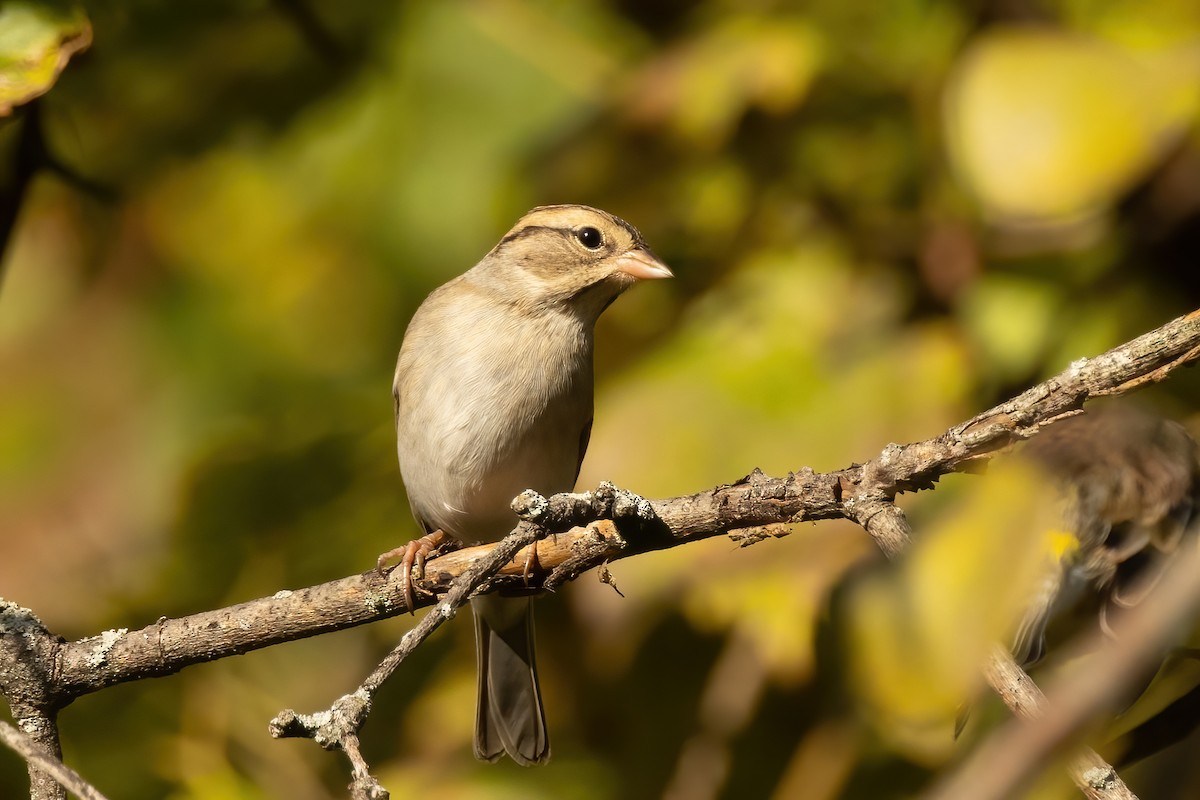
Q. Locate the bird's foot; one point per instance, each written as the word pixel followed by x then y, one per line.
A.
pixel 532 564
pixel 413 553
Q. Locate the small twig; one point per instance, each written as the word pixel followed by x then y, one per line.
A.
pixel 99 190
pixel 33 153
pixel 36 756
pixel 459 593
pixel 1157 376
pixel 363 785
pixel 1094 776
pixel 1098 780
pixel 1076 698
pixel 338 726
pixel 26 160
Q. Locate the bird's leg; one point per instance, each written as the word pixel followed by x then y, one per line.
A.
pixel 415 552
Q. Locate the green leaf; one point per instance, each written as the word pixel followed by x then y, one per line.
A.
pixel 36 42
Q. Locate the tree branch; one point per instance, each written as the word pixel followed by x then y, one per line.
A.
pixel 60 671
pixel 338 727
pixel 37 758
pixel 861 492
pixel 27 660
pixel 1075 698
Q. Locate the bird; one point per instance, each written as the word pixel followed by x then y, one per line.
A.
pixel 1125 485
pixel 1128 487
pixel 493 395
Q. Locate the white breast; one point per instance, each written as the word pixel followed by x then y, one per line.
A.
pixel 490 401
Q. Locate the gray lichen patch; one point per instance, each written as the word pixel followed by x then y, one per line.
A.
pixel 18 620
pixel 103 646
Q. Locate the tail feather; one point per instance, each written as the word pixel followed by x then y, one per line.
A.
pixel 509 716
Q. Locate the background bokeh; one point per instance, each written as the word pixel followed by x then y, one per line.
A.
pixel 883 218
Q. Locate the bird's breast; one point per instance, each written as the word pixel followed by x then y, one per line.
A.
pixel 496 410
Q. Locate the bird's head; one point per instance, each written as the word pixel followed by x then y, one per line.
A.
pixel 570 256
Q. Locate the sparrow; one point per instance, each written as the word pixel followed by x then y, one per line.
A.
pixel 1128 486
pixel 493 395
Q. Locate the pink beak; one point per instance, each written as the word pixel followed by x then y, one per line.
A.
pixel 643 266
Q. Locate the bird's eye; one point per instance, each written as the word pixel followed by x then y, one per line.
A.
pixel 590 238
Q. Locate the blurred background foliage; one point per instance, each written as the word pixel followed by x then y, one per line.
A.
pixel 883 219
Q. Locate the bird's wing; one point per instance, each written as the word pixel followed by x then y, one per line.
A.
pixel 585 436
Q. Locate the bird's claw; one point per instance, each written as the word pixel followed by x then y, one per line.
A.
pixel 412 554
pixel 532 564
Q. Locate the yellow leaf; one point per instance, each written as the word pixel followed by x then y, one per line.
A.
pixel 36 42
pixel 702 88
pixel 1045 126
pixel 919 633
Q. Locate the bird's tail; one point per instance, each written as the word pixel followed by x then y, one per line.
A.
pixel 509 716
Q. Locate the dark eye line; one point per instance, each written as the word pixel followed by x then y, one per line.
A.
pixel 521 233
pixel 568 233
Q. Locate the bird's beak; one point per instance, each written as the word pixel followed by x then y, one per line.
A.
pixel 642 264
